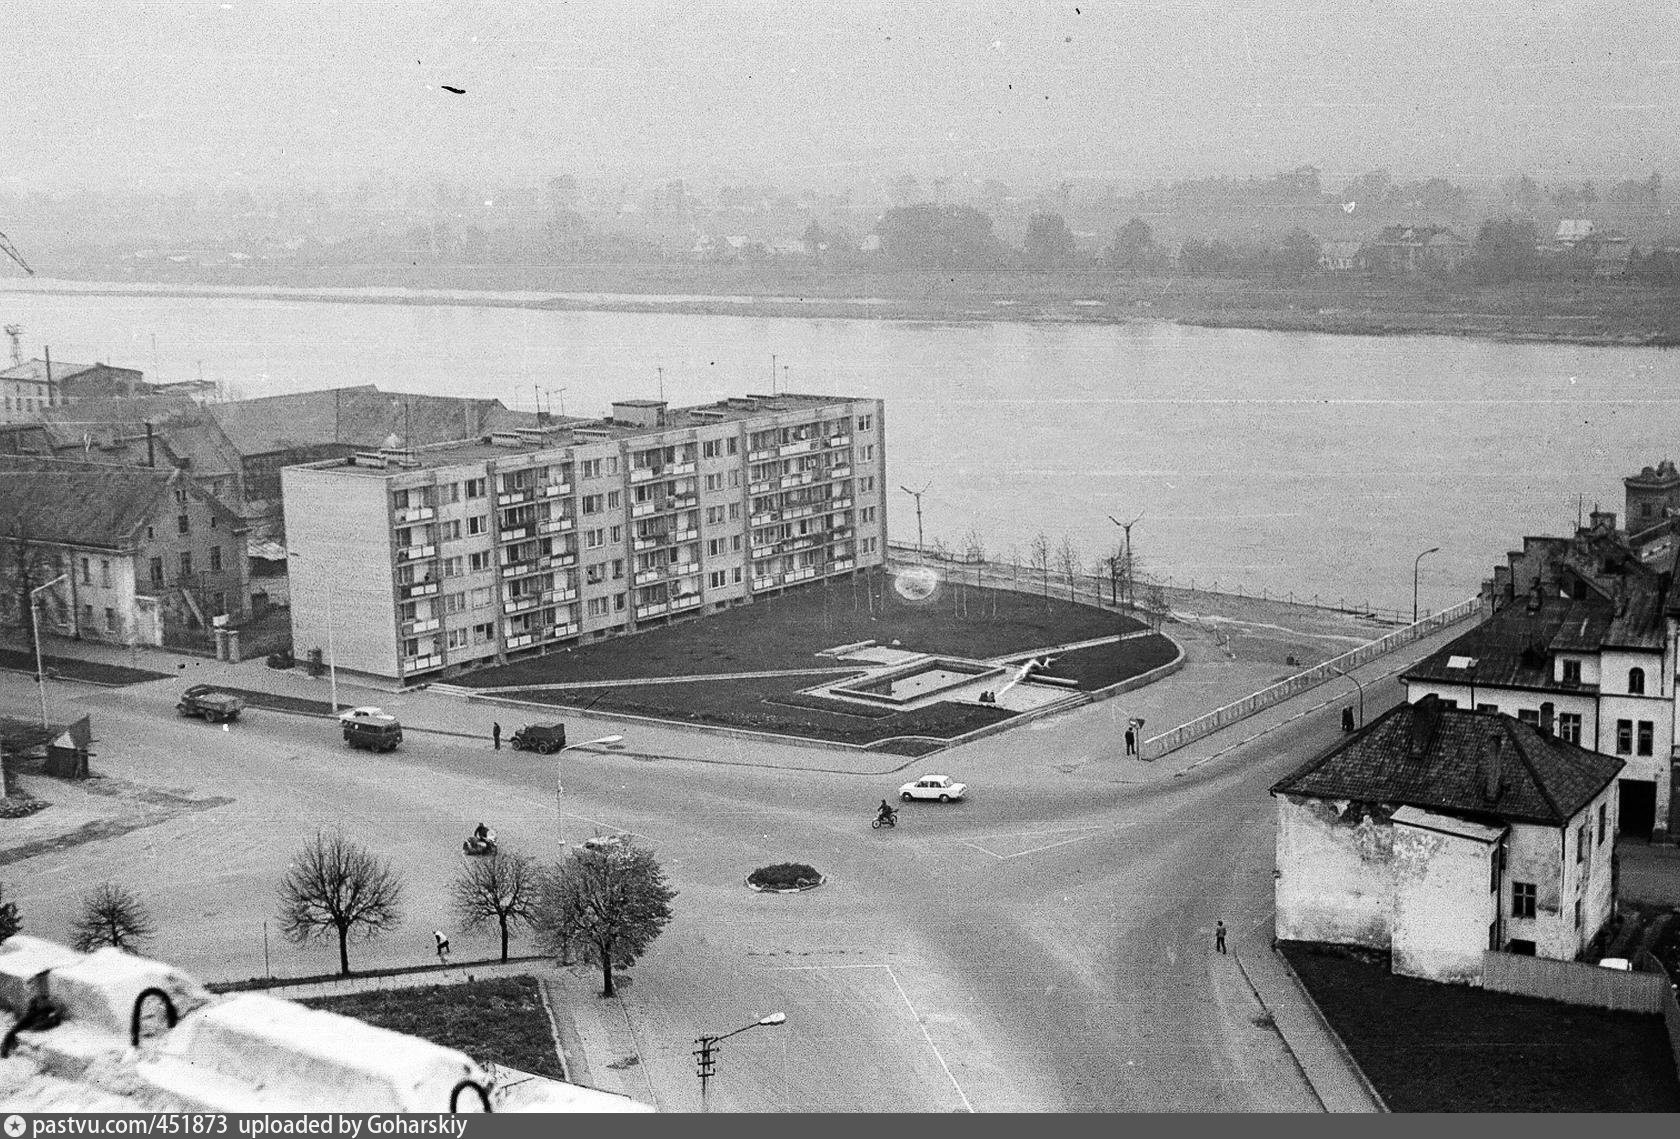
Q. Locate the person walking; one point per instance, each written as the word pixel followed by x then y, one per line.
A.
pixel 1219 936
pixel 442 946
pixel 1131 740
pixel 496 734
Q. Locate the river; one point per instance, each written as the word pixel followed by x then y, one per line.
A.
pixel 1298 463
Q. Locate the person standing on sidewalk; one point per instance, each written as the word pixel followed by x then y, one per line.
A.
pixel 496 734
pixel 1219 936
pixel 1131 740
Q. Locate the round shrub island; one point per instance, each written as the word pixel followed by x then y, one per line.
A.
pixel 785 878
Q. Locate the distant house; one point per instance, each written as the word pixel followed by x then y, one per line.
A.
pixel 1436 833
pixel 63 383
pixel 1571 232
pixel 1415 250
pixel 1341 256
pixel 1611 253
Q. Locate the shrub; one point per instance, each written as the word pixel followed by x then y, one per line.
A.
pixel 784 876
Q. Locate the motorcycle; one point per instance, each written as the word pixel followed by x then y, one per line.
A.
pixel 476 845
pixel 884 821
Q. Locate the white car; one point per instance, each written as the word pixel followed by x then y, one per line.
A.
pixel 938 787
pixel 365 714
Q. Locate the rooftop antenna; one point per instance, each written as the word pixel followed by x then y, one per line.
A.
pixel 562 392
pixel 917 495
pixel 772 373
pixel 661 372
pixel 15 331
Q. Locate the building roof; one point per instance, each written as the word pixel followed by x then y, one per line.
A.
pixel 102 421
pixel 1485 765
pixel 360 416
pixel 81 504
pixel 35 371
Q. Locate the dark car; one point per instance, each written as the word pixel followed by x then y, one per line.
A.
pixel 208 704
pixel 371 729
pixel 544 739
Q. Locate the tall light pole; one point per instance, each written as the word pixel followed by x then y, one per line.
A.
pixel 35 624
pixel 1357 685
pixel 560 789
pixel 917 495
pixel 1127 527
pixel 1415 565
pixel 706 1047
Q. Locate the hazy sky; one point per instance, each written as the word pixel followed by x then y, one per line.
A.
pixel 832 93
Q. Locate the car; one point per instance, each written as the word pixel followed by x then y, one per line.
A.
pixel 372 733
pixel 607 843
pixel 940 787
pixel 210 705
pixel 544 739
pixel 363 714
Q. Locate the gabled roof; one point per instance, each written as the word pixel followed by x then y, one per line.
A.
pixel 35 371
pixel 1485 765
pixel 82 504
pixel 104 419
pixel 1512 648
pixel 361 416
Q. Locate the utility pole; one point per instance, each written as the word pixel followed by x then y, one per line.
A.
pixel 772 373
pixel 705 1065
pixel 917 495
pixel 1127 527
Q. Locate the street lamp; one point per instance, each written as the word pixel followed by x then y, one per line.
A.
pixel 1357 685
pixel 35 624
pixel 707 1045
pixel 1415 564
pixel 559 788
pixel 1127 527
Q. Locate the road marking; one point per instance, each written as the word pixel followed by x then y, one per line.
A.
pixel 937 1054
pixel 1084 832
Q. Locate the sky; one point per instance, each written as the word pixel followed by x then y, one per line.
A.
pixel 828 95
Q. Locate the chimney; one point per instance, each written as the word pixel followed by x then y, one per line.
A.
pixel 1426 717
pixel 1494 770
pixel 151 453
pixel 1535 597
pixel 1546 714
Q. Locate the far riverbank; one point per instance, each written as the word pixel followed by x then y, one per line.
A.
pixel 1556 311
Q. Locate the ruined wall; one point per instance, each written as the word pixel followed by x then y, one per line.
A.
pixel 1334 880
pixel 1444 902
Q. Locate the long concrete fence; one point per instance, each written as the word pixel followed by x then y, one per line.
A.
pixel 1204 725
pixel 1574 982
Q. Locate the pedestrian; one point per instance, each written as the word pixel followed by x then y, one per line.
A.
pixel 1131 740
pixel 1219 936
pixel 443 946
pixel 496 734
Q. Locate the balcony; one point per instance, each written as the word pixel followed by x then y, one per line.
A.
pixel 800 448
pixel 414 514
pixel 514 534
pixel 561 561
pixel 422 625
pixel 838 441
pixel 421 663
pixel 554 632
pixel 643 474
pixel 555 526
pixel 803 478
pixel 764 487
pixel 641 509
pixel 680 468
pixel 763 551
pixel 643 544
pixel 682 569
pixel 757 456
pixel 645 611
pixel 798 512
pixel 839 472
pixel 521 569
pixel 840 534
pixel 681 502
pixel 763 519
pixel 515 497
pixel 648 576
pixel 556 488
pixel 687 601
pixel 559 596
pixel 416 553
pixel 764 583
pixel 685 536
pixel 520 641
pixel 841 564
pixel 841 503
pixel 522 604
pixel 800 574
pixel 417 589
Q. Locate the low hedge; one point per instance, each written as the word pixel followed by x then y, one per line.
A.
pixel 785 876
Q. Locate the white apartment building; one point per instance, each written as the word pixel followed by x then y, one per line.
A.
pixel 406 565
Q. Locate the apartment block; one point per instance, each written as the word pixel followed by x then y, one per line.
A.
pixel 409 564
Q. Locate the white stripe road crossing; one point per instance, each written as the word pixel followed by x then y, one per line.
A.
pixel 1074 836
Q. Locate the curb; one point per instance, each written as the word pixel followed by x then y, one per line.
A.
pixel 1236 955
pixel 1364 1080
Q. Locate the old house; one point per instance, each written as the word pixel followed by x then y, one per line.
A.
pixel 148 556
pixel 1415 250
pixel 1435 833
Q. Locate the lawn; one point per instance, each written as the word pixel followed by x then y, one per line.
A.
pixel 772 704
pixel 786 630
pixel 73 668
pixel 496 1021
pixel 1432 1047
pixel 1101 665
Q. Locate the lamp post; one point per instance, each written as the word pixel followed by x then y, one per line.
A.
pixel 707 1046
pixel 560 789
pixel 35 625
pixel 1357 685
pixel 1127 527
pixel 1415 564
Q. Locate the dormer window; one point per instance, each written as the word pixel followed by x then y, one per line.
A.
pixel 1636 682
pixel 1572 672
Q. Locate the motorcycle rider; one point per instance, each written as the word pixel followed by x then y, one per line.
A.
pixel 886 813
pixel 484 834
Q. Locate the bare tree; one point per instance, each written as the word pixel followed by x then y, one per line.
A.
pixel 940 550
pixel 1068 563
pixel 10 923
pixel 608 905
pixel 336 886
pixel 502 888
pixel 974 550
pixel 1039 551
pixel 112 915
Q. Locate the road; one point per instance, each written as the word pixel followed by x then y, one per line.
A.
pixel 1045 946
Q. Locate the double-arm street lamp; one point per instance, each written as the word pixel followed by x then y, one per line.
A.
pixel 35 624
pixel 706 1047
pixel 560 789
pixel 1415 564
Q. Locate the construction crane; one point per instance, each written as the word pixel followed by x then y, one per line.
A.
pixel 10 250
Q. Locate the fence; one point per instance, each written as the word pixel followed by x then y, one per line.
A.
pixel 1670 1009
pixel 1575 983
pixel 1193 730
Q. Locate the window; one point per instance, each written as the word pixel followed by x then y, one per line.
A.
pixel 449 531
pixel 151 533
pixel 105 572
pixel 482 597
pixel 1569 727
pixel 450 493
pixel 618 569
pixel 1581 843
pixel 591 468
pixel 87 571
pixel 737 575
pixel 867 515
pixel 1645 734
pixel 215 559
pixel 1624 737
pixel 110 620
pixel 735 542
pixel 1522 899
pixel 1490 708
pixel 592 503
pixel 594 539
pixel 482 634
pixel 455 639
pixel 865 422
pixel 597 607
pixel 1603 820
pixel 1636 682
pixel 595 573
pixel 866 485
pixel 1572 672
pixel 157 571
pixel 87 616
pixel 731 445
pixel 478 524
pixel 186 563
pixel 478 562
pixel 618 602
pixel 219 599
pixel 452 567
pixel 714 482
pixel 181 494
pixel 182 526
pixel 735 478
pixel 715 579
pixel 714 547
pixel 1530 716
pixel 454 603
pixel 615 500
pixel 870 545
pixel 867 453
pixel 1577 913
pixel 617 534
pixel 734 511
pixel 474 488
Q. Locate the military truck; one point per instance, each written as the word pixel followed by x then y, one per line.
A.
pixel 210 705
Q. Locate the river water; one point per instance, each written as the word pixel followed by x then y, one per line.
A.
pixel 1302 464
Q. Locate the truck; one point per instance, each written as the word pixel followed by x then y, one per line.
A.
pixel 371 729
pixel 210 705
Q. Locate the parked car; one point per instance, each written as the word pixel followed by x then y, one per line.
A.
pixel 544 739
pixel 208 704
pixel 939 787
pixel 377 732
pixel 607 843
